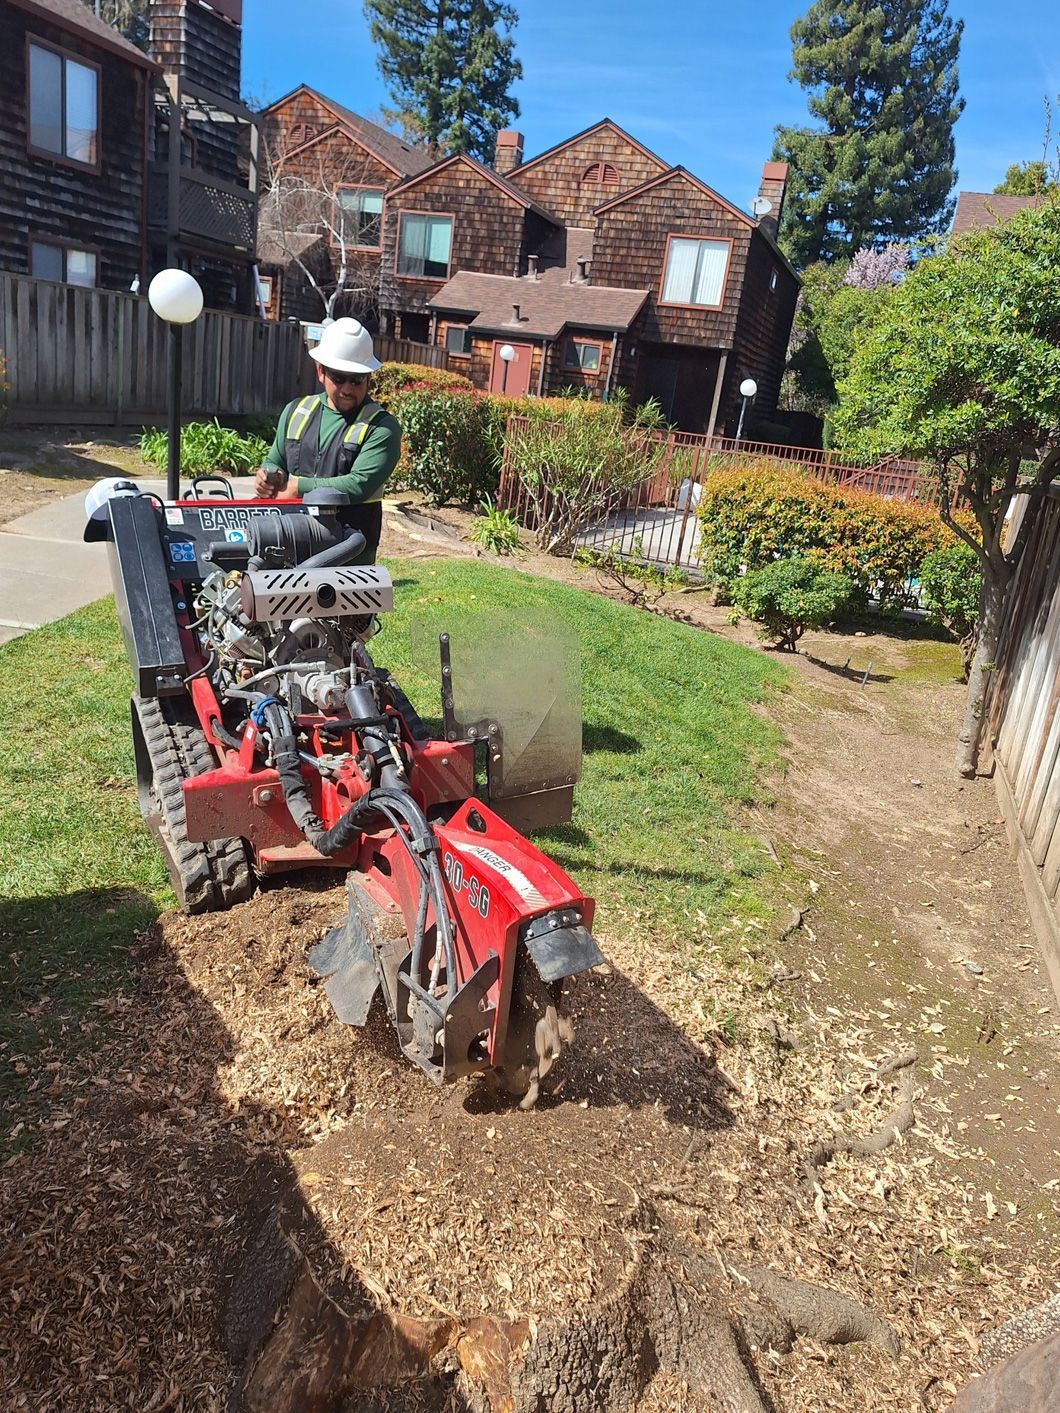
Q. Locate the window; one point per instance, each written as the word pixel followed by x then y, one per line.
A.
pixel 585 357
pixel 601 174
pixel 362 208
pixel 458 341
pixel 772 279
pixel 265 291
pixel 695 271
pixel 64 264
pixel 63 106
pixel 425 245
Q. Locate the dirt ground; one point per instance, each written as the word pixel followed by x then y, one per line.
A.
pixel 37 466
pixel 226 1081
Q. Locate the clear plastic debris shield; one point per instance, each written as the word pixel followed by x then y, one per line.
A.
pixel 513 683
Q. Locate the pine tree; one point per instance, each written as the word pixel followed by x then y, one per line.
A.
pixel 449 65
pixel 882 76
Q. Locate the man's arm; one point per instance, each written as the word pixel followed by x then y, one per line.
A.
pixel 266 481
pixel 374 462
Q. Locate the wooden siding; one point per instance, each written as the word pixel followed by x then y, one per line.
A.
pixel 1024 715
pixel 762 329
pixel 629 251
pixel 102 357
pixel 205 49
pixel 56 201
pixel 556 183
pixel 297 120
pixel 488 232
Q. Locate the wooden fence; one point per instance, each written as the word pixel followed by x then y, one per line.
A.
pixel 657 519
pixel 430 355
pixel 1024 723
pixel 98 356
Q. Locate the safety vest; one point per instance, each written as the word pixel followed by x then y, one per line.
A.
pixel 302 452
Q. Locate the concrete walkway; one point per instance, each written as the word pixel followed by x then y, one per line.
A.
pixel 47 570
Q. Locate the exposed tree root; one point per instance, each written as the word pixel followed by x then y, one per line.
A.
pixel 825 1149
pixel 680 1309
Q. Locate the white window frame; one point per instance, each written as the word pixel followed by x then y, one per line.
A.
pixel 698 273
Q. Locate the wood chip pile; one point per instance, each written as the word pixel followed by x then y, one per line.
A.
pixel 225 1078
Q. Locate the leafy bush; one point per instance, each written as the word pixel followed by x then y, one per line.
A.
pixel 205 447
pixel 753 514
pixel 791 595
pixel 578 468
pixel 394 378
pixel 495 530
pixel 950 584
pixel 450 445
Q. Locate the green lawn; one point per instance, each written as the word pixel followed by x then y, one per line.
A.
pixel 672 743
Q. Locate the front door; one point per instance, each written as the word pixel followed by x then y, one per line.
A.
pixel 511 378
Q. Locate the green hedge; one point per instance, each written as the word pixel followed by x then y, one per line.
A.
pixel 751 517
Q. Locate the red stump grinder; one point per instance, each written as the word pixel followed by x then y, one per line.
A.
pixel 266 739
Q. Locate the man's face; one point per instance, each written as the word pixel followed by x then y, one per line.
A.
pixel 345 391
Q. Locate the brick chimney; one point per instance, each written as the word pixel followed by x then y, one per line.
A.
pixel 509 151
pixel 772 187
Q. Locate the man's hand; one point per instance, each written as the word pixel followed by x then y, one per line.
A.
pixel 267 482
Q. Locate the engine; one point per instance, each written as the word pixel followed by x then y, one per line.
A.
pixel 291 630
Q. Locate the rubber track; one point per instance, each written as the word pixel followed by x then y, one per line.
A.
pixel 207 877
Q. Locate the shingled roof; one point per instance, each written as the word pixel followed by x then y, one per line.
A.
pixel 546 305
pixel 404 157
pixel 977 210
pixel 77 18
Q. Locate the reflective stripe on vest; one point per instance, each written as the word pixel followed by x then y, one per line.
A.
pixel 301 416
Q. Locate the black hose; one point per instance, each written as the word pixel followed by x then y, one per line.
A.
pixel 395 805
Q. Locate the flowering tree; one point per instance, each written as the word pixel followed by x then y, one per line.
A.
pixel 872 268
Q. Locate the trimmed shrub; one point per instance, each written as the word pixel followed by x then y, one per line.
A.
pixel 950 583
pixel 450 445
pixel 753 515
pixel 791 595
pixel 394 378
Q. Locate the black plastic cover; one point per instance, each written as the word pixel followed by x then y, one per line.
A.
pixel 143 598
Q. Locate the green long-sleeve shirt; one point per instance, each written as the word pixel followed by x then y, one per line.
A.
pixel 373 464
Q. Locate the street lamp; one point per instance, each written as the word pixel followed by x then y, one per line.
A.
pixel 175 296
pixel 506 353
pixel 748 388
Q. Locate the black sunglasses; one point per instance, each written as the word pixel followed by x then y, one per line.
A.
pixel 339 378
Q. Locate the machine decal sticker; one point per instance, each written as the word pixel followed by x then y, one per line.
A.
pixel 478 895
pixel 514 876
pixel 174 516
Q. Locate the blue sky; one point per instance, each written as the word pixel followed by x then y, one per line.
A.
pixel 700 82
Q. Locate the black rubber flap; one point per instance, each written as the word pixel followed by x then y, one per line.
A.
pixel 564 952
pixel 344 958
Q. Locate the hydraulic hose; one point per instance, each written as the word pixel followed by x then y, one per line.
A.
pixel 395 805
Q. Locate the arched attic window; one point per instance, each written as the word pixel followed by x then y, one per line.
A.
pixel 600 174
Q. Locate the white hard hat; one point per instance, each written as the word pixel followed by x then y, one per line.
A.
pixel 346 346
pixel 96 499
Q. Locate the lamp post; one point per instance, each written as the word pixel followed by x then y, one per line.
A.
pixel 506 353
pixel 748 388
pixel 175 296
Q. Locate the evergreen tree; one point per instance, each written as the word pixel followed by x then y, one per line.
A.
pixel 1025 179
pixel 449 65
pixel 882 76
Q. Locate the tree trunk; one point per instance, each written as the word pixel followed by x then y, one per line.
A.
pixel 997 575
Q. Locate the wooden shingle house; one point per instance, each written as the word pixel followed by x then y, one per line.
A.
pixel 596 264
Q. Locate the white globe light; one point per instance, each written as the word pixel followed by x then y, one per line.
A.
pixel 175 296
pixel 748 387
pixel 506 352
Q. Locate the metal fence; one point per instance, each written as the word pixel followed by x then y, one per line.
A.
pixel 657 519
pixel 98 356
